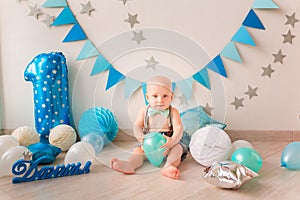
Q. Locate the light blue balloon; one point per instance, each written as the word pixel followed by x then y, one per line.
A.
pixel 152 147
pixel 247 157
pixel 95 140
pixel 290 157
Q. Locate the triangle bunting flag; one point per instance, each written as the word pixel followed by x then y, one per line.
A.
pixel 55 4
pixel 264 4
pixel 202 77
pixel 230 51
pixel 114 77
pixel 253 21
pixel 186 86
pixel 144 87
pixel 243 36
pixel 217 66
pixel 100 65
pixel 131 85
pixel 65 17
pixel 75 34
pixel 87 51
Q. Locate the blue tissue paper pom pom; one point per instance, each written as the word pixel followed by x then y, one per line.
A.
pixel 98 120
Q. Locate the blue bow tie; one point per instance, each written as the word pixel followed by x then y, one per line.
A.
pixel 152 112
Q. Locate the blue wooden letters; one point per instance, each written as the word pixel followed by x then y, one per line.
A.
pixel 27 170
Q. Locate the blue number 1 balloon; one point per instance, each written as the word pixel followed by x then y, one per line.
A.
pixel 49 75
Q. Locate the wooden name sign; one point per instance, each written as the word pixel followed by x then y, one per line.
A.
pixel 27 170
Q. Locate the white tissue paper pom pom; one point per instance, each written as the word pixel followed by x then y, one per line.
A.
pixel 26 135
pixel 62 136
pixel 210 144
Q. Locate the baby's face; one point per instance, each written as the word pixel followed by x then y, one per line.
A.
pixel 159 97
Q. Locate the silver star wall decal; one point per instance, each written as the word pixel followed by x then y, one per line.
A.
pixel 182 100
pixel 251 92
pixel 288 37
pixel 151 63
pixel 267 71
pixel 138 37
pixel 238 102
pixel 208 109
pixel 35 11
pixel 132 20
pixel 86 8
pixel 124 1
pixel 291 20
pixel 278 57
pixel 48 20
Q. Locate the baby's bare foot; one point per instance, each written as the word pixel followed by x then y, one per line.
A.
pixel 121 166
pixel 171 172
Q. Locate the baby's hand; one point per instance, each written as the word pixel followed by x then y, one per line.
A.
pixel 168 144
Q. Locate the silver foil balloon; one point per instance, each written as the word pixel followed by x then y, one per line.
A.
pixel 228 174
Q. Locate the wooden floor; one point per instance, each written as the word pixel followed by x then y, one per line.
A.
pixel 102 182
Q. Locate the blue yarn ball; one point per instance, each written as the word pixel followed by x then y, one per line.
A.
pixel 98 120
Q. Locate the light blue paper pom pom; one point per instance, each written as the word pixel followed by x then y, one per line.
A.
pixel 99 120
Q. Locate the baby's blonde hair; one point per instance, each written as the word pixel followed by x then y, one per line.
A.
pixel 162 81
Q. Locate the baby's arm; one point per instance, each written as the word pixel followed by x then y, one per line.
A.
pixel 139 125
pixel 177 130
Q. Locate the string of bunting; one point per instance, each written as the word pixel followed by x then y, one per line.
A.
pixel 76 33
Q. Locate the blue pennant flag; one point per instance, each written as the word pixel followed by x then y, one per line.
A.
pixel 217 66
pixel 202 77
pixel 243 36
pixel 253 21
pixel 144 88
pixel 75 34
pixel 186 86
pixel 55 4
pixel 231 52
pixel 114 77
pixel 87 51
pixel 131 85
pixel 173 86
pixel 101 65
pixel 65 17
pixel 264 4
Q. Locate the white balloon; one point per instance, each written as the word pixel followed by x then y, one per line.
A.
pixel 7 142
pixel 241 144
pixel 9 158
pixel 80 152
pixel 210 144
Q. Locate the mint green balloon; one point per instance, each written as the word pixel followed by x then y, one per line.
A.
pixel 152 147
pixel 247 157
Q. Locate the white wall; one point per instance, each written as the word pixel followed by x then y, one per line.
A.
pixel 209 24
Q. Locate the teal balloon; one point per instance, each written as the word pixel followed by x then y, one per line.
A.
pixel 152 147
pixel 290 156
pixel 247 157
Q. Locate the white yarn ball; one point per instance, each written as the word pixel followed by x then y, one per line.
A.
pixel 62 136
pixel 26 135
pixel 210 144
